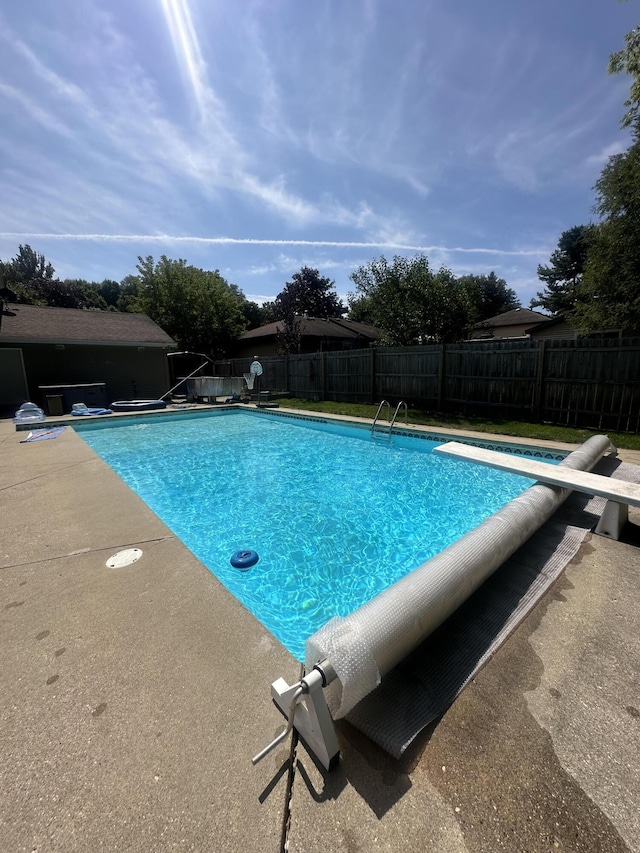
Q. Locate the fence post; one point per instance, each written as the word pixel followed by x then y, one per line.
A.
pixel 323 375
pixel 442 370
pixel 372 374
pixel 537 388
pixel 286 372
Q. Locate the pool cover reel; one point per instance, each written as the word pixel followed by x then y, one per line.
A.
pixel 365 645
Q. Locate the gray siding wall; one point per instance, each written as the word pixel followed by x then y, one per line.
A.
pixel 128 371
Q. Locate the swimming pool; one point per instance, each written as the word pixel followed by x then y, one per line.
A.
pixel 335 516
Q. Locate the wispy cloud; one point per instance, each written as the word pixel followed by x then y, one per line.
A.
pixel 45 118
pixel 344 129
pixel 260 78
pixel 287 263
pixel 126 117
pixel 535 119
pixel 55 83
pixel 529 155
pixel 608 151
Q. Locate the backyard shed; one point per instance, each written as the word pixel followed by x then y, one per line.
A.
pixel 44 349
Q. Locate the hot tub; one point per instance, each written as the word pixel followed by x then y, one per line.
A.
pixel 214 386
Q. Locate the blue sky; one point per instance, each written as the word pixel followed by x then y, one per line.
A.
pixel 258 137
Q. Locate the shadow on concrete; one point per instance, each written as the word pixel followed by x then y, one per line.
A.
pixel 401 715
pixel 268 790
pixel 380 780
pixel 385 736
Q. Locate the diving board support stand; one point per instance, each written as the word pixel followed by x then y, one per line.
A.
pixel 612 520
pixel 618 493
pixel 304 706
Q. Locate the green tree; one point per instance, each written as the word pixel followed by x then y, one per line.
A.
pixel 488 296
pixel 109 290
pixel 627 61
pixel 609 297
pixel 289 333
pixel 6 294
pixel 28 266
pixel 609 294
pixel 410 303
pixel 128 293
pixel 198 308
pixel 308 293
pixel 563 275
pixel 25 273
pixel 360 309
pixel 255 314
pixel 268 312
pixel 68 293
pixel 31 277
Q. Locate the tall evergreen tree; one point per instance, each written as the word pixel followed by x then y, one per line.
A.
pixel 563 275
pixel 609 297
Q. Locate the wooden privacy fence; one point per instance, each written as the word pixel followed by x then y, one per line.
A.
pixel 585 383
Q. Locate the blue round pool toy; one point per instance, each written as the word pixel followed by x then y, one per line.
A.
pixel 243 560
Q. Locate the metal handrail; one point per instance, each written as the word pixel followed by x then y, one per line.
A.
pixel 400 405
pixel 375 420
pixel 193 372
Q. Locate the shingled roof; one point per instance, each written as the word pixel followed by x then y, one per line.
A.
pixel 24 324
pixel 318 327
pixel 514 318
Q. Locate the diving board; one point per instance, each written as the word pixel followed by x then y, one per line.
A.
pixel 619 494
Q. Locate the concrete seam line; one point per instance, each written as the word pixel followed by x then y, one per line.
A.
pixel 291 775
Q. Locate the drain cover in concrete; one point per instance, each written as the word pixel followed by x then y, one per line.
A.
pixel 124 558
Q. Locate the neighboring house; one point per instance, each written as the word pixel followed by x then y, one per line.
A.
pixel 69 346
pixel 317 335
pixel 559 328
pixel 510 324
pixel 553 328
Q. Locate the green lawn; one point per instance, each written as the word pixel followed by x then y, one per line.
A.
pixel 518 429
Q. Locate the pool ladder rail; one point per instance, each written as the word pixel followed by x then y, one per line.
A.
pixel 385 430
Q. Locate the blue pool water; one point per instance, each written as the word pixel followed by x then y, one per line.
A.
pixel 335 517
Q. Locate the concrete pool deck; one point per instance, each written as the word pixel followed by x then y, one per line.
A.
pixel 132 700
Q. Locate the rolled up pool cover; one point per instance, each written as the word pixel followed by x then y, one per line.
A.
pixel 365 645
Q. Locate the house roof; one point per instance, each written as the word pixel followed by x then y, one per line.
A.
pixel 548 321
pixel 22 324
pixel 318 327
pixel 515 317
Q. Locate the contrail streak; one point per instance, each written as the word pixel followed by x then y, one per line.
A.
pixel 252 241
